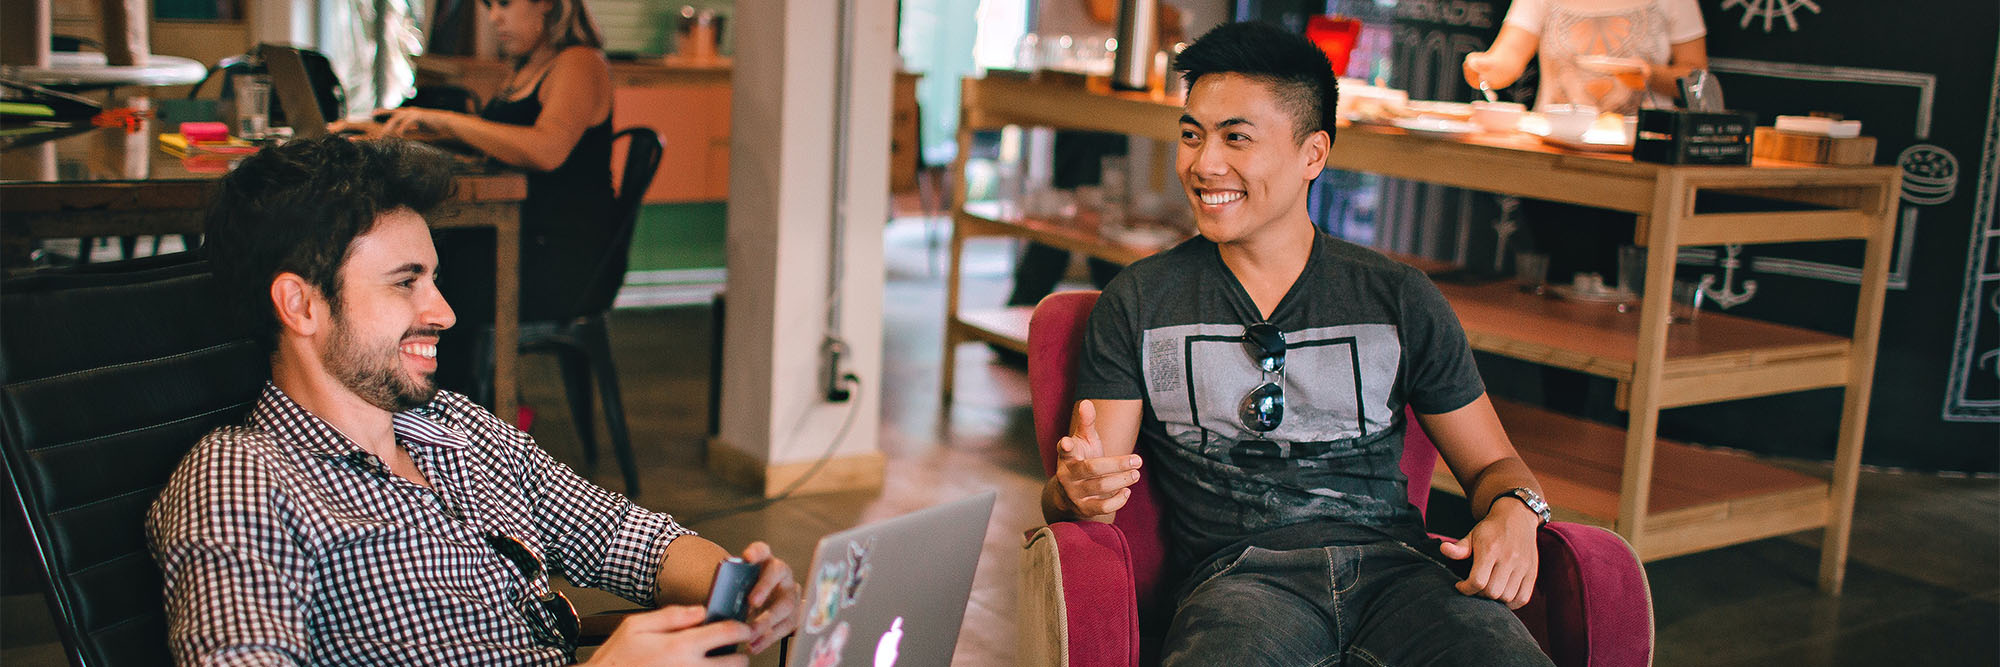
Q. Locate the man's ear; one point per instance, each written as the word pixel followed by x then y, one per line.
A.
pixel 299 305
pixel 1318 146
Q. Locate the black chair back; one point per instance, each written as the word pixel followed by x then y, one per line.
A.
pixel 107 379
pixel 642 159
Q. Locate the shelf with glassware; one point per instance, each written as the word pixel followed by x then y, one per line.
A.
pixel 1666 498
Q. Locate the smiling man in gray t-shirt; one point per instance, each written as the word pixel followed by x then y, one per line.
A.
pixel 1265 368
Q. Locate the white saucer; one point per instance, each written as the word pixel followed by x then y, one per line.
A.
pixel 1439 128
pixel 1606 296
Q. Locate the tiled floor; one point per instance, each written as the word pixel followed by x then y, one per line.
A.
pixel 1923 578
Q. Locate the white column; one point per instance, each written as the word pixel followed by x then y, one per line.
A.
pixel 284 22
pixel 776 421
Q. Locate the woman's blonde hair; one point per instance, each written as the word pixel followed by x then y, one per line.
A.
pixel 567 24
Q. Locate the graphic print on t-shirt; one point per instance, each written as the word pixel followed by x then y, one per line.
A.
pixel 1337 384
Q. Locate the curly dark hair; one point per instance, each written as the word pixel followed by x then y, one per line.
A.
pixel 1298 72
pixel 297 208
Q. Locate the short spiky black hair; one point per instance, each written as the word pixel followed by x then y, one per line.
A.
pixel 1298 72
pixel 297 207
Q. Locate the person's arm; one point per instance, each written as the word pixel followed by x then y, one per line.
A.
pixel 1685 57
pixel 1502 543
pixel 235 587
pixel 599 539
pixel 1503 63
pixel 1095 465
pixel 1449 398
pixel 575 95
pixel 688 570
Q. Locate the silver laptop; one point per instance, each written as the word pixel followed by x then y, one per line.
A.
pixel 293 88
pixel 893 592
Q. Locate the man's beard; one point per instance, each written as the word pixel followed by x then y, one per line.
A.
pixel 377 375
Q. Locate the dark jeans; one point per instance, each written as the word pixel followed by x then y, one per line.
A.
pixel 1382 603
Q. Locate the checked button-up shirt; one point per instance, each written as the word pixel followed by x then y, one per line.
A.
pixel 283 542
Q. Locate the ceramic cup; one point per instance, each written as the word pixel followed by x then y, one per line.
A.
pixel 1498 116
pixel 1569 121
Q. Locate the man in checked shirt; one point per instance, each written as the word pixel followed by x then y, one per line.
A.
pixel 361 516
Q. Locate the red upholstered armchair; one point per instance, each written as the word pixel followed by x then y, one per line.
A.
pixel 1091 593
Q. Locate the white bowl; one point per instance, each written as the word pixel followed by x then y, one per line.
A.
pixel 1498 116
pixel 1569 121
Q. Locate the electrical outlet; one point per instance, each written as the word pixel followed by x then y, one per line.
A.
pixel 833 377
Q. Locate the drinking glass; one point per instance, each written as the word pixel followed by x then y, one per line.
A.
pixel 1117 197
pixel 253 105
pixel 1687 302
pixel 1532 269
pixel 1631 270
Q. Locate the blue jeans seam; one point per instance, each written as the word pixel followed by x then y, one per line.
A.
pixel 1422 555
pixel 1352 581
pixel 1226 569
pixel 1333 584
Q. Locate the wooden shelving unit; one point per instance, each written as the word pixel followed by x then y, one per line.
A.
pixel 1667 498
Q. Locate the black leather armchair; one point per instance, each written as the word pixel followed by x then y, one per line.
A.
pixel 107 378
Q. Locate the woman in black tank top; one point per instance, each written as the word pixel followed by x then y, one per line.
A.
pixel 552 119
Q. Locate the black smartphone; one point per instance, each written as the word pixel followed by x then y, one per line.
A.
pixel 729 596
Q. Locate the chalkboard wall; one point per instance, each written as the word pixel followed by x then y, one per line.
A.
pixel 1922 79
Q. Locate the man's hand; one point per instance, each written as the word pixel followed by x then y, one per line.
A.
pixel 671 636
pixel 774 601
pixel 1091 483
pixel 1502 548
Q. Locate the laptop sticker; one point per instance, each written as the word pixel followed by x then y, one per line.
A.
pixel 827 652
pixel 824 606
pixel 886 648
pixel 857 572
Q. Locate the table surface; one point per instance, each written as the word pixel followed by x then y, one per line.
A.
pixel 88 69
pixel 96 155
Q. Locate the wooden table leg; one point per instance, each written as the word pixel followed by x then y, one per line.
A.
pixel 951 338
pixel 506 306
pixel 1671 200
pixel 1860 384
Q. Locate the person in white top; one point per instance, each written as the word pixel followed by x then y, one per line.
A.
pixel 1665 37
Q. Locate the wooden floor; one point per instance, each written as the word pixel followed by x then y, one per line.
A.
pixel 1923 585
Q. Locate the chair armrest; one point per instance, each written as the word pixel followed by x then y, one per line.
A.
pixel 1591 598
pixel 1078 605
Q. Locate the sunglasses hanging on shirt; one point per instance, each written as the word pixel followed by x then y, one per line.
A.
pixel 1263 409
pixel 567 625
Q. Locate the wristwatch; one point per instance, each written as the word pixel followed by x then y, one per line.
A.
pixel 1528 497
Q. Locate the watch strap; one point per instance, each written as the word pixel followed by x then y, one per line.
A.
pixel 1528 497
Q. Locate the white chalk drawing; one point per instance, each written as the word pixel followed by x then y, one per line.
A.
pixel 1726 295
pixel 1771 11
pixel 1925 86
pixel 1979 303
pixel 1930 174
